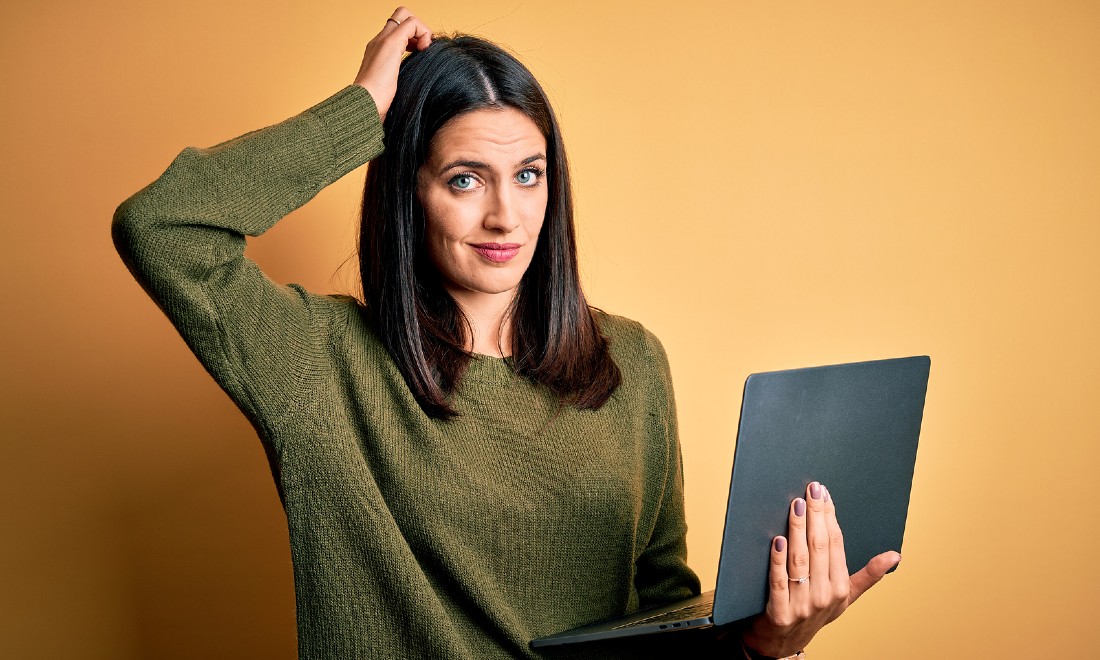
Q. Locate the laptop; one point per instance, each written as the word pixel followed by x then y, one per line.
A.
pixel 853 427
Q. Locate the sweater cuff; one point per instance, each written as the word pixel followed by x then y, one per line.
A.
pixel 351 120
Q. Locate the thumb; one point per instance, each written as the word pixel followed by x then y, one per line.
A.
pixel 869 575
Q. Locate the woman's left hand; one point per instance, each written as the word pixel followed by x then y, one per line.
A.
pixel 798 608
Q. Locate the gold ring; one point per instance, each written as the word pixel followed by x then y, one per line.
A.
pixel 395 21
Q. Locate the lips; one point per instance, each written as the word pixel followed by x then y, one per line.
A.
pixel 497 252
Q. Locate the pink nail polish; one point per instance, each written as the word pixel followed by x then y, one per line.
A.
pixel 800 507
pixel 780 544
pixel 815 490
pixel 827 497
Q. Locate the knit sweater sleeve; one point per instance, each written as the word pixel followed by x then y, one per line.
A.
pixel 183 238
pixel 662 571
pixel 663 574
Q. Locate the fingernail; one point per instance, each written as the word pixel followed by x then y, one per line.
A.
pixel 828 498
pixel 780 544
pixel 800 507
pixel 815 490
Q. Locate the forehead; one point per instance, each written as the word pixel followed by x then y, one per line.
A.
pixel 488 132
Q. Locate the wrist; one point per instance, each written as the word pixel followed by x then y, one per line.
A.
pixel 752 654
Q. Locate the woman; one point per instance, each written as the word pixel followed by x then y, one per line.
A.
pixel 473 457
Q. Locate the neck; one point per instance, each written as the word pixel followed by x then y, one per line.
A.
pixel 489 322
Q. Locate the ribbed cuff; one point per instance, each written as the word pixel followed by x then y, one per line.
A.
pixel 353 125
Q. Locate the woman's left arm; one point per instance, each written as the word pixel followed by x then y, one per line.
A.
pixel 813 549
pixel 809 585
pixel 662 574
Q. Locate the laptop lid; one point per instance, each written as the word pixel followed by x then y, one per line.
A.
pixel 853 427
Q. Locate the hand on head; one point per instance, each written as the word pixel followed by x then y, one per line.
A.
pixel 402 33
pixel 808 578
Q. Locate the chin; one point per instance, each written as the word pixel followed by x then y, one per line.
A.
pixel 481 279
pixel 495 288
pixel 490 286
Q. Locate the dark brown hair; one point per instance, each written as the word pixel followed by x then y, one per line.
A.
pixel 555 338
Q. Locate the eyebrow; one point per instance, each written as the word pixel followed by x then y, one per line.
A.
pixel 478 165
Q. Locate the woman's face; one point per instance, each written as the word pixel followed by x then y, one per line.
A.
pixel 484 191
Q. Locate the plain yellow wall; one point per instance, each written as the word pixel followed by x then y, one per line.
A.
pixel 764 184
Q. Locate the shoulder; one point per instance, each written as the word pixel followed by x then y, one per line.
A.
pixel 637 352
pixel 335 304
pixel 326 309
pixel 343 339
pixel 629 339
pixel 340 316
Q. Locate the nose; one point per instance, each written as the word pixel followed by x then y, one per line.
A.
pixel 502 210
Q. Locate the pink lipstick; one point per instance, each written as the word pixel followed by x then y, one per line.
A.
pixel 497 252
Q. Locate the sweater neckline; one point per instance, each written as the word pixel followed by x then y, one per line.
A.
pixel 490 368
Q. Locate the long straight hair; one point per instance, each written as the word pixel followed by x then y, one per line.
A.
pixel 555 338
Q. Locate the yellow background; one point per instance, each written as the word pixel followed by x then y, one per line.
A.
pixel 764 184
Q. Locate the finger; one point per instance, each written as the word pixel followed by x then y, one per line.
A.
pixel 414 33
pixel 779 606
pixel 798 557
pixel 817 539
pixel 422 38
pixel 395 20
pixel 400 14
pixel 838 562
pixel 869 575
pixel 400 31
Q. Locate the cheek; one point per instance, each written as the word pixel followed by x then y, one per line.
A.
pixel 444 227
pixel 534 213
pixel 435 215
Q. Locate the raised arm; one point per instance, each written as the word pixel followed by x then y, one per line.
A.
pixel 183 236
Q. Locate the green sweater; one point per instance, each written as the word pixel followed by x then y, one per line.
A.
pixel 410 537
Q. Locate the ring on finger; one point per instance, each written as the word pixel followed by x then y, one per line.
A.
pixel 799 580
pixel 395 21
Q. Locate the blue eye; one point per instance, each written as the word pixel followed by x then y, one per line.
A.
pixel 463 181
pixel 528 177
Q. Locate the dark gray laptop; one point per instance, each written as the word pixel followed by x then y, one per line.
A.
pixel 853 427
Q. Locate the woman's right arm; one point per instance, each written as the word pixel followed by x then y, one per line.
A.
pixel 183 236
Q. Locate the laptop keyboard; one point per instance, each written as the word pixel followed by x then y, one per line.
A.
pixel 686 613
